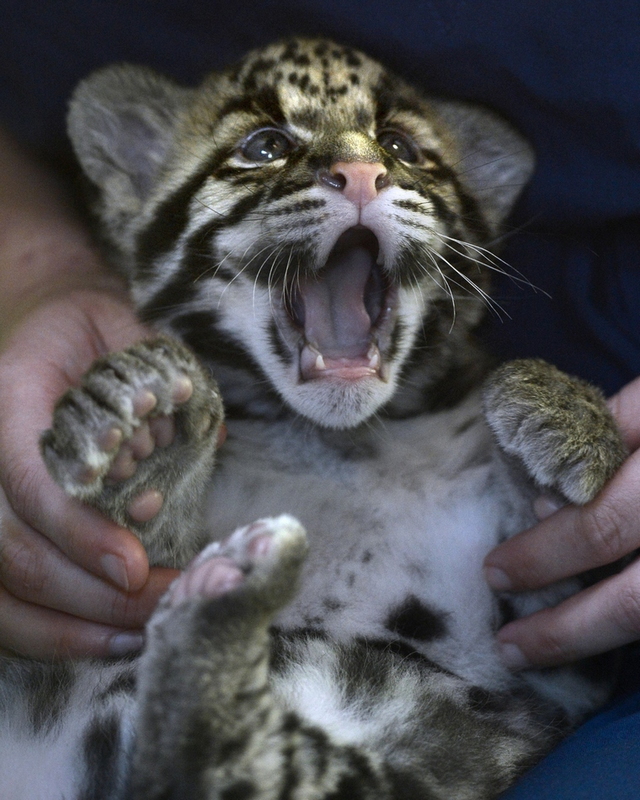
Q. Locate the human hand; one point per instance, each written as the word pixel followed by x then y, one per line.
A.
pixel 72 583
pixel 566 543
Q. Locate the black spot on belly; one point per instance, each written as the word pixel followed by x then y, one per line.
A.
pixel 101 750
pixel 331 604
pixel 413 620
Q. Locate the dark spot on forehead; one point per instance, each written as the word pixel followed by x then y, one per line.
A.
pixel 290 51
pixel 259 67
pixel 304 82
pixel 292 54
pixel 264 100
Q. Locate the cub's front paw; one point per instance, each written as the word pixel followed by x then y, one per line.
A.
pixel 140 421
pixel 557 426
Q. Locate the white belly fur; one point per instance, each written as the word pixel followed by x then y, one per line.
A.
pixel 416 519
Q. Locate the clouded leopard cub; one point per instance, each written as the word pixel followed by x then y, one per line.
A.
pixel 319 235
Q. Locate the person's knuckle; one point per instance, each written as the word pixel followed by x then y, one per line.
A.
pixel 63 643
pixel 552 643
pixel 21 486
pixel 123 609
pixel 604 530
pixel 628 608
pixel 21 566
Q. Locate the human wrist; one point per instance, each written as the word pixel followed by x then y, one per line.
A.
pixel 45 248
pixel 48 260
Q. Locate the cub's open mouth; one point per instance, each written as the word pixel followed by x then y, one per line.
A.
pixel 342 311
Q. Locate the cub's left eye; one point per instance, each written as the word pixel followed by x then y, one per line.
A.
pixel 266 144
pixel 399 145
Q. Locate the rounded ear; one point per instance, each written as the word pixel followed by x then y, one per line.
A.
pixel 494 161
pixel 121 123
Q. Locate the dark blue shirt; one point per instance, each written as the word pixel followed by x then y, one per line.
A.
pixel 567 73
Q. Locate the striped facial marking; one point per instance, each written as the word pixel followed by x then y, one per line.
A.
pixel 314 213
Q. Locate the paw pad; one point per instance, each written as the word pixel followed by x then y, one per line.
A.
pixel 266 556
pixel 129 404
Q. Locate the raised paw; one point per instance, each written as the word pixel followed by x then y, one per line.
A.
pixel 264 557
pixel 139 416
pixel 204 675
pixel 558 427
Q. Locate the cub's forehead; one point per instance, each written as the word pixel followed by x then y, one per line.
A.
pixel 310 75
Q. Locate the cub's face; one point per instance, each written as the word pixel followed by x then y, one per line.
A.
pixel 307 222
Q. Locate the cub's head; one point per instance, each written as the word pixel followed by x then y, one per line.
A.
pixel 311 225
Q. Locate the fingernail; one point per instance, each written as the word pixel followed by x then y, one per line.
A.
pixel 512 656
pixel 497 579
pixel 123 643
pixel 114 568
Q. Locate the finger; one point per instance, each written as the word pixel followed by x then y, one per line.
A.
pixel 572 540
pixel 596 620
pixel 37 632
pixel 84 535
pixel 625 407
pixel 33 569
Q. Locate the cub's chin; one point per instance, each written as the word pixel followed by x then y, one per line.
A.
pixel 339 400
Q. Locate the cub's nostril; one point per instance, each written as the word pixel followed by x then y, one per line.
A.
pixel 335 180
pixel 382 181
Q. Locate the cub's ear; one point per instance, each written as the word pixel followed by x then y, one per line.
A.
pixel 121 123
pixel 493 161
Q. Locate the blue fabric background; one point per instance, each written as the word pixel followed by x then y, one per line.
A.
pixel 566 73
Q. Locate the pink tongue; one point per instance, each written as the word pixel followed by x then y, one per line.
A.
pixel 336 320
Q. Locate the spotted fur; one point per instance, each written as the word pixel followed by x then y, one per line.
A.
pixel 320 236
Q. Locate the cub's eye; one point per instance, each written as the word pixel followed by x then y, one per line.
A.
pixel 266 144
pixel 399 145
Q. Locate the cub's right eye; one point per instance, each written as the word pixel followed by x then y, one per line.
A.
pixel 265 145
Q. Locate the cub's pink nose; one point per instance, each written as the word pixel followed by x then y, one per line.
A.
pixel 359 181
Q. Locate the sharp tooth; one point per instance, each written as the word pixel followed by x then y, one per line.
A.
pixel 311 361
pixel 374 357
